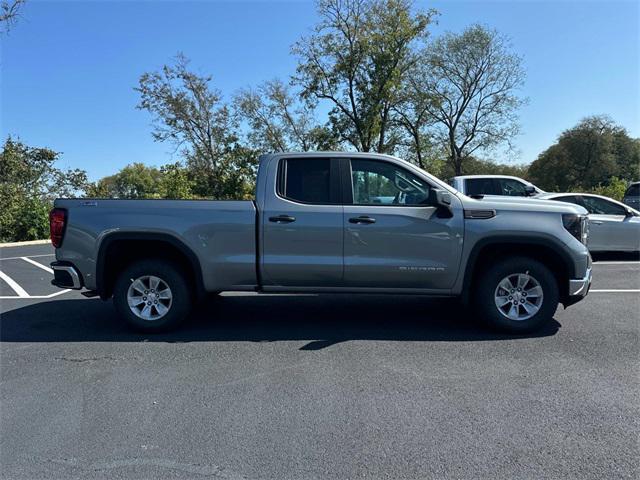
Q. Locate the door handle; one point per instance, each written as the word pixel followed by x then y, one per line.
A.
pixel 362 219
pixel 595 222
pixel 282 219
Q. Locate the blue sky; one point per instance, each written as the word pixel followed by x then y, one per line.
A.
pixel 69 68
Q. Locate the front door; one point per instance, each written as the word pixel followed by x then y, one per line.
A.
pixel 302 225
pixel 608 225
pixel 394 234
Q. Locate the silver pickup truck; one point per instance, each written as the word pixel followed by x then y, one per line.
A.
pixel 327 222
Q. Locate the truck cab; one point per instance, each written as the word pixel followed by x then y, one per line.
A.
pixel 363 221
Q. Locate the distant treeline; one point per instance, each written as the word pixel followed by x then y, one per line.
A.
pixel 447 103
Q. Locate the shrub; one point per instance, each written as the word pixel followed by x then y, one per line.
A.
pixel 615 188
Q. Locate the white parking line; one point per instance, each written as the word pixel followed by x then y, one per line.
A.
pixel 21 292
pixel 30 256
pixel 14 286
pixel 615 290
pixel 39 265
pixel 55 294
pixel 617 263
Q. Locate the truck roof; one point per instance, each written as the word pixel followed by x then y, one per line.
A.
pixel 463 177
pixel 329 154
pixel 369 155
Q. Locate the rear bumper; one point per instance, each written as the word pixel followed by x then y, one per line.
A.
pixel 579 288
pixel 65 275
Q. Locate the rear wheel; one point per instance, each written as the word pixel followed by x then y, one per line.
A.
pixel 517 295
pixel 152 295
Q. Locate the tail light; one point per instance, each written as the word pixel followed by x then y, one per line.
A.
pixel 57 224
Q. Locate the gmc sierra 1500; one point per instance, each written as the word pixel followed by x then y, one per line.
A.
pixel 327 222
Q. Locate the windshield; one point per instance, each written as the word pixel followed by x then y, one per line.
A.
pixel 440 183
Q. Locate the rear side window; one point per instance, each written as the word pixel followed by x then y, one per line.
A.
pixel 633 191
pixel 480 186
pixel 569 199
pixel 306 180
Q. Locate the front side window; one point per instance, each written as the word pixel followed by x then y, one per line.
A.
pixel 382 183
pixel 600 206
pixel 511 188
pixel 306 180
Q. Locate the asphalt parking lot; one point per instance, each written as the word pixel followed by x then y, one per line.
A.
pixel 316 386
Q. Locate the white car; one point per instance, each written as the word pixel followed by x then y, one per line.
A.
pixel 475 185
pixel 613 226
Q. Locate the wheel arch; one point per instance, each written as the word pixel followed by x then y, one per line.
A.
pixel 119 249
pixel 549 252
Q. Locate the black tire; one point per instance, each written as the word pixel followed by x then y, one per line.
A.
pixel 171 274
pixel 488 281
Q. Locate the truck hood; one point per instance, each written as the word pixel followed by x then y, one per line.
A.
pixel 520 204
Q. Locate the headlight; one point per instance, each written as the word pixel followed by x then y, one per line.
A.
pixel 576 225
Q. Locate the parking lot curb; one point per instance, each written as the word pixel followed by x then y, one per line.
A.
pixel 29 242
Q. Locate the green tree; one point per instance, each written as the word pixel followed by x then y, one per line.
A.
pixel 9 13
pixel 627 154
pixel 412 113
pixel 190 114
pixel 175 182
pixel 29 181
pixel 615 188
pixel 587 155
pixel 278 122
pixel 356 60
pixel 472 80
pixel 133 181
pixel 103 188
pixel 139 181
pixel 477 166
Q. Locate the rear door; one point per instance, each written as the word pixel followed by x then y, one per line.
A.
pixel 394 236
pixel 302 225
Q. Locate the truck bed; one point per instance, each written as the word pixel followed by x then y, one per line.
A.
pixel 221 234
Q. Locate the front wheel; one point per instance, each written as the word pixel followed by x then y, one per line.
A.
pixel 152 295
pixel 517 295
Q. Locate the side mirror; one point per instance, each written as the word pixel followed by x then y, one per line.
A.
pixel 443 202
pixel 529 190
pixel 443 198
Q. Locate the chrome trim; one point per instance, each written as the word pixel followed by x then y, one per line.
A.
pixel 580 286
pixel 72 272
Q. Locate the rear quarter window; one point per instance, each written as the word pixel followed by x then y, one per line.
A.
pixel 569 199
pixel 633 191
pixel 306 180
pixel 480 186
